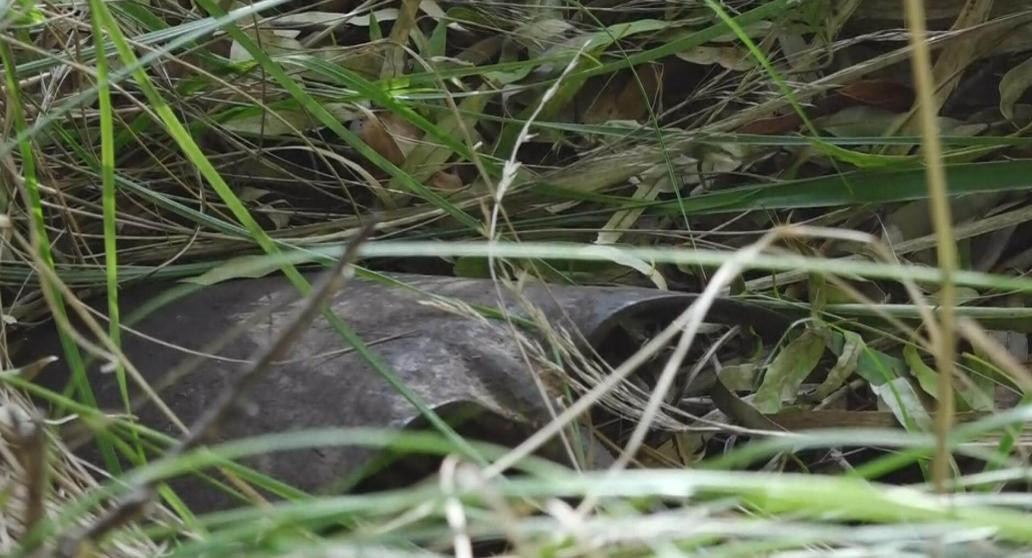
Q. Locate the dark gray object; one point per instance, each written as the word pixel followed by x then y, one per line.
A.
pixel 453 362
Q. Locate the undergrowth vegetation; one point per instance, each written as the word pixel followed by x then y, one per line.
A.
pixel 858 167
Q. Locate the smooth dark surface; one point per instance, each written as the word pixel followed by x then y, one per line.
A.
pixel 453 362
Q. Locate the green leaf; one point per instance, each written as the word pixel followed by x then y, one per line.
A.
pixel 1013 85
pixel 926 376
pixel 438 43
pixel 972 394
pixel 976 387
pixel 740 377
pixel 860 187
pixel 788 370
pixel 877 367
pixel 844 367
pixel 899 396
pixel 251 267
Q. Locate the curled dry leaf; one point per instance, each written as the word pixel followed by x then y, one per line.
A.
pixel 730 57
pixel 389 135
pixel 625 98
pixel 1013 85
pixel 482 51
pixel 395 138
pixel 446 181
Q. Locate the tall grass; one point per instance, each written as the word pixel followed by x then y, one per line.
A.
pixel 190 183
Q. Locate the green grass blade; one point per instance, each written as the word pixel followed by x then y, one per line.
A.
pixel 34 206
pixel 853 188
pixel 194 154
pixel 382 97
pixel 184 35
pixel 689 40
pixel 327 119
pixel 107 176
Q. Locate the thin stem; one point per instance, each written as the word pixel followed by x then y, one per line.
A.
pixel 945 344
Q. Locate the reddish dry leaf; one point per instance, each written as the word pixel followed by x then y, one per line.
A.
pixel 389 136
pixel 800 420
pixel 394 138
pixel 773 126
pixel 446 181
pixel 405 134
pixel 375 135
pixel 879 93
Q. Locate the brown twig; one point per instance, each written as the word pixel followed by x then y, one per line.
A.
pixel 29 441
pixel 132 506
pixel 945 343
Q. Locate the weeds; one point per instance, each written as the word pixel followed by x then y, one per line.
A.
pixel 777 152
